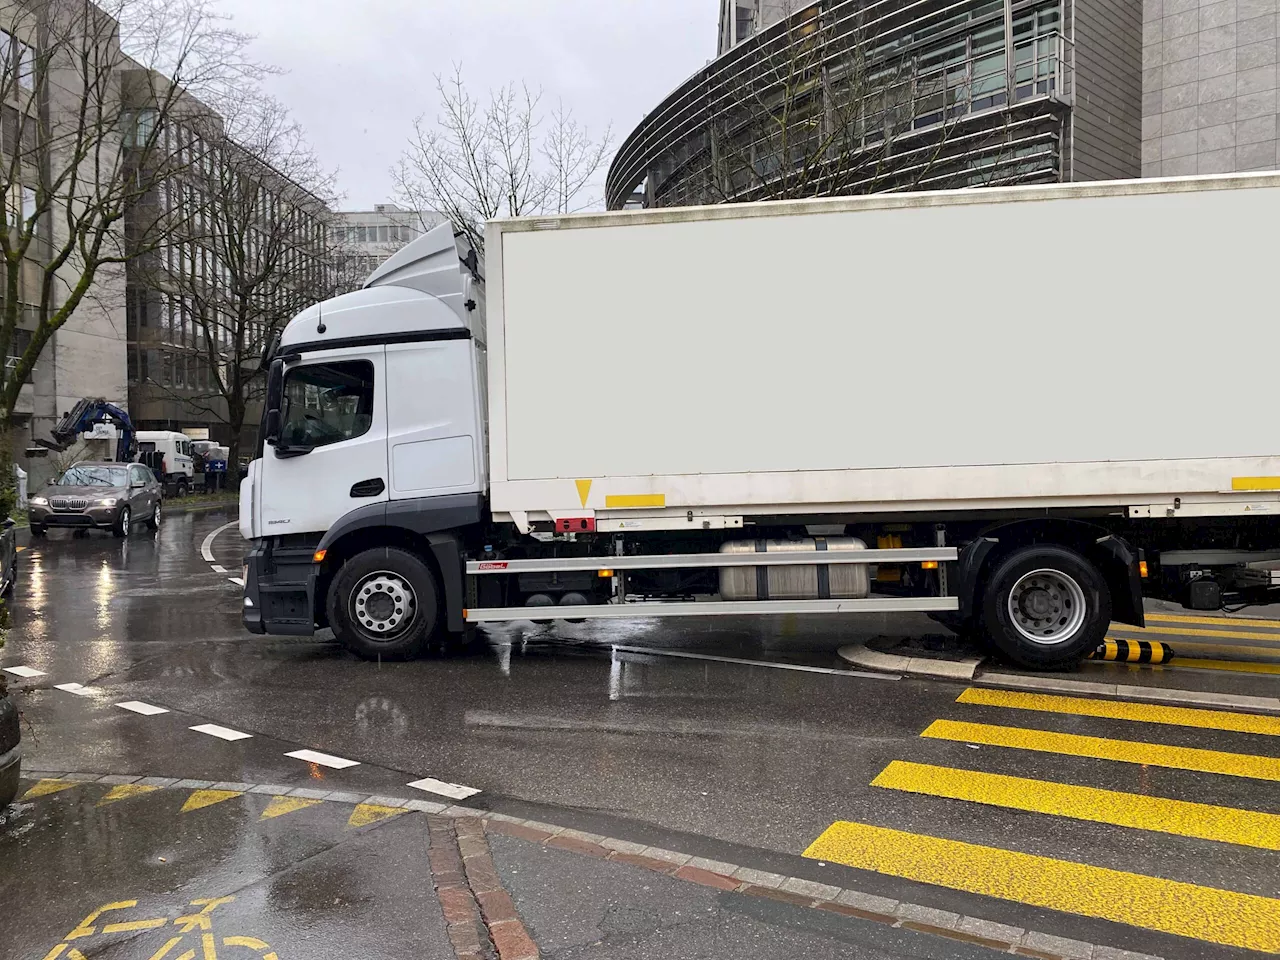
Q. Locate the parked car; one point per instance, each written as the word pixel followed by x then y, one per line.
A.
pixel 97 495
pixel 10 749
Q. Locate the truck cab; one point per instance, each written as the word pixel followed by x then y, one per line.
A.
pixel 373 422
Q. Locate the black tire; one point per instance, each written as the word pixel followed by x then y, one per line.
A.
pixel 183 488
pixel 38 530
pixel 153 521
pixel 386 571
pixel 121 527
pixel 1043 576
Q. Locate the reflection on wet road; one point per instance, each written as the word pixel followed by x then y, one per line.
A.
pixel 696 737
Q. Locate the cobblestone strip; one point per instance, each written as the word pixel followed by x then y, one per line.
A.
pixel 471 893
pixel 461 911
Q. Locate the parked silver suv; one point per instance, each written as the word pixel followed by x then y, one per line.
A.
pixel 105 496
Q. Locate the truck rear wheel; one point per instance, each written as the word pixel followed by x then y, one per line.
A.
pixel 1045 607
pixel 383 604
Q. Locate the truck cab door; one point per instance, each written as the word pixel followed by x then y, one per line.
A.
pixel 331 455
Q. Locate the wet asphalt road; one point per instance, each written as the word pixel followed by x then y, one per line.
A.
pixel 744 763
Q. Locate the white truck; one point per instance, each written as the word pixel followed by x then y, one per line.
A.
pixel 998 407
pixel 177 465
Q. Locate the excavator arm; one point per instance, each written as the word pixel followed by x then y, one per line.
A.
pixel 84 416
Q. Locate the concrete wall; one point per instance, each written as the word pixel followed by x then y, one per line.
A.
pixel 1209 81
pixel 1107 117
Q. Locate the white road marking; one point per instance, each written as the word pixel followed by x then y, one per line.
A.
pixel 27 672
pixel 219 568
pixel 454 790
pixel 206 548
pixel 146 709
pixel 79 689
pixel 311 756
pixel 222 733
pixel 236 580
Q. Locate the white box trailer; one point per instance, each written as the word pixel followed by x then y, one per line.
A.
pixel 1004 394
pixel 1017 348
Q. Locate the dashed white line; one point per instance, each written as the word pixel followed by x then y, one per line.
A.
pixel 236 580
pixel 27 672
pixel 455 791
pixel 206 548
pixel 79 689
pixel 146 709
pixel 222 733
pixel 311 756
pixel 219 568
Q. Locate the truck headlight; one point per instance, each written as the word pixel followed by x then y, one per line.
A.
pixel 108 502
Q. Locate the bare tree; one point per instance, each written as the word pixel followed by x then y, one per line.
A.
pixel 253 254
pixel 503 157
pixel 814 108
pixel 88 92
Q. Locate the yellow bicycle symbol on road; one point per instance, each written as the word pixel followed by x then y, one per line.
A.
pixel 189 925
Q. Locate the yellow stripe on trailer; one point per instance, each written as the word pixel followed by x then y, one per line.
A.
pixel 635 500
pixel 1255 483
pixel 1169 906
pixel 1100 748
pixel 1200 821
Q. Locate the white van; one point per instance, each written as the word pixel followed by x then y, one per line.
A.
pixel 179 468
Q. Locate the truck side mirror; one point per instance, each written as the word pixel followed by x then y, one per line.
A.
pixel 271 427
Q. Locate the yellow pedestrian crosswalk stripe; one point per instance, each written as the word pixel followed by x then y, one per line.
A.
pixel 200 799
pixel 279 806
pixel 1200 648
pixel 1124 751
pixel 1230 666
pixel 45 787
pixel 367 813
pixel 1123 710
pixel 1223 621
pixel 125 791
pixel 1169 906
pixel 1201 821
pixel 1196 632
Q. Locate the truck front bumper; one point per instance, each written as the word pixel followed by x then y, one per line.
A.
pixel 279 591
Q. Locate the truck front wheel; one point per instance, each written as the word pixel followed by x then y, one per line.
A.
pixel 383 604
pixel 1045 607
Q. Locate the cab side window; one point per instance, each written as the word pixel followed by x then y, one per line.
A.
pixel 327 403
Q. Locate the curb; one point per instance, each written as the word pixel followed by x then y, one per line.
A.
pixel 863 656
pixel 967 671
pixel 719 875
pixel 201 507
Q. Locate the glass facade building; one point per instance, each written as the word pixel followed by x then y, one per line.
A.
pixel 849 96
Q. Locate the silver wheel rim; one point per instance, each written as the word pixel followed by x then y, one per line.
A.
pixel 1047 606
pixel 157 513
pixel 124 521
pixel 384 605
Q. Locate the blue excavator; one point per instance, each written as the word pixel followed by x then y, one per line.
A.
pixel 87 414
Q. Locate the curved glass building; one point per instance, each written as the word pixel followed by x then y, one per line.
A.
pixel 855 96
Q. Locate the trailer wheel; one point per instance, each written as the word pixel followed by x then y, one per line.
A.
pixel 383 604
pixel 1045 607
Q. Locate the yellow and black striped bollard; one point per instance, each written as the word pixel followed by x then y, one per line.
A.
pixel 1134 651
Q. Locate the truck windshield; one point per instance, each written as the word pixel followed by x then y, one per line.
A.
pixel 83 476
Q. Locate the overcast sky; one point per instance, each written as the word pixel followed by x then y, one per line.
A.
pixel 359 73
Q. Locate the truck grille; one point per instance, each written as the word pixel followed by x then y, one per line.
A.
pixel 67 503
